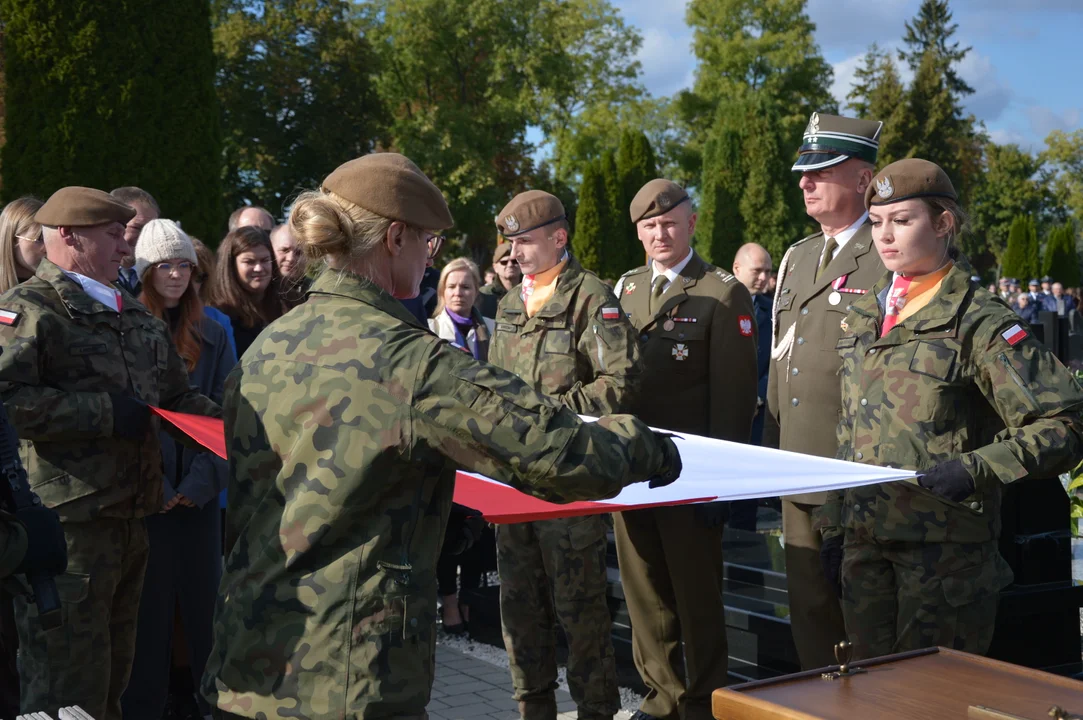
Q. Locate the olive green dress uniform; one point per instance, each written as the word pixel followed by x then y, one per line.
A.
pixel 63 354
pixel 699 346
pixel 961 378
pixel 579 349
pixel 803 396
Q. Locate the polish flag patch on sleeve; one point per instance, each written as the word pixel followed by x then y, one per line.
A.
pixel 610 313
pixel 744 324
pixel 1014 335
pixel 9 318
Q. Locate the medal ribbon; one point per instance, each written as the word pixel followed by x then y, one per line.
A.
pixel 837 286
pixel 894 303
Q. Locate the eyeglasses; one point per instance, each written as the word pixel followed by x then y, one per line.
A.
pixel 435 243
pixel 40 238
pixel 506 261
pixel 164 267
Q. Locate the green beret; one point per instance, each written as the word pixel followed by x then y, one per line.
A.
pixel 529 211
pixel 76 206
pixel 393 187
pixel 906 179
pixel 832 139
pixel 502 249
pixel 656 198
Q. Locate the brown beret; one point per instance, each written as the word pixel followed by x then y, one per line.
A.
pixel 656 198
pixel 391 186
pixel 502 249
pixel 529 211
pixel 906 179
pixel 76 206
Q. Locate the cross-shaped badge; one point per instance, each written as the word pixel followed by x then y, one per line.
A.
pixel 629 288
pixel 680 351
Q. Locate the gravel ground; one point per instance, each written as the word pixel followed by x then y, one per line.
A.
pixel 629 700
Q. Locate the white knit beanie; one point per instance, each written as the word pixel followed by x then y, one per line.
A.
pixel 162 240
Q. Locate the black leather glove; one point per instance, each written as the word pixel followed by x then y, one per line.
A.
pixel 671 467
pixel 950 480
pixel 711 515
pixel 831 562
pixel 46 549
pixel 464 528
pixel 131 417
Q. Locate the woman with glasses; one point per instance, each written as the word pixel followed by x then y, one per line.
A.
pixel 246 284
pixel 184 565
pixel 345 424
pixel 21 246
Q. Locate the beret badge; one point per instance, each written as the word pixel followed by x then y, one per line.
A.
pixel 884 188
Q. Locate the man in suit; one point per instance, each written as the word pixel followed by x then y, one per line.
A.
pixel 697 335
pixel 817 279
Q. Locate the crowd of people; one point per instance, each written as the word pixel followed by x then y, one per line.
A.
pixel 355 380
pixel 1046 295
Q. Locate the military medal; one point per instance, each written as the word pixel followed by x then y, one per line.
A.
pixel 838 286
pixel 834 298
pixel 668 325
pixel 629 288
pixel 680 351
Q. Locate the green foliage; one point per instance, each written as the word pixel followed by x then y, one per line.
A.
pixel 636 165
pixel 721 225
pixel 296 85
pixel 879 94
pixel 1010 186
pixel 90 102
pixel 590 220
pixel 1064 158
pixel 1061 261
pixel 615 253
pixel 930 34
pixel 1020 259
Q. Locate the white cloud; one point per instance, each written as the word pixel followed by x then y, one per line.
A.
pixel 850 26
pixel 667 61
pixel 1043 120
pixel 844 78
pixel 992 95
pixel 1005 136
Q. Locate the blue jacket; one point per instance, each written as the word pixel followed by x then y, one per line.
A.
pixel 222 319
pixel 761 304
pixel 200 476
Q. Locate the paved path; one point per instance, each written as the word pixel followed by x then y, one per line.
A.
pixel 467 688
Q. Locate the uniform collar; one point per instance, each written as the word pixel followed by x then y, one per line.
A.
pixel 674 272
pixel 73 295
pixel 844 237
pixel 941 311
pixel 345 284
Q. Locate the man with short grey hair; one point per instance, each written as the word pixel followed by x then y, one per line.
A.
pixel 251 215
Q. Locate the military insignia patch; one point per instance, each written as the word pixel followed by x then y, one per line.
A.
pixel 680 351
pixel 744 324
pixel 9 318
pixel 1014 335
pixel 813 127
pixel 511 223
pixel 610 313
pixel 629 288
pixel 844 325
pixel 884 188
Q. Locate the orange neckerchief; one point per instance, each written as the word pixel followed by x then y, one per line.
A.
pixel 538 288
pixel 908 295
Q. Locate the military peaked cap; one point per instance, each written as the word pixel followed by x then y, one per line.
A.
pixel 76 206
pixel 656 198
pixel 391 186
pixel 529 211
pixel 831 139
pixel 906 179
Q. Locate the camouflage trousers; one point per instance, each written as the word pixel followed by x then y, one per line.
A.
pixel 550 571
pixel 899 596
pixel 87 660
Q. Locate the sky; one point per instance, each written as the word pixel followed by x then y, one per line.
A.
pixel 1026 62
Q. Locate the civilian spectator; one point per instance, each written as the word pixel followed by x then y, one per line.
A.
pixel 1059 302
pixel 184 566
pixel 246 284
pixel 22 244
pixel 251 216
pixel 292 265
pixel 202 280
pixel 146 209
pixel 1027 308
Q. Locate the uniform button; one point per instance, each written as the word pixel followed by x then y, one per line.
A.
pixel 864 402
pixel 413 622
pixel 849 308
pixel 800 341
pixel 804 311
pixel 860 456
pixel 794 371
pixel 795 401
pixel 975 505
pixel 643 338
pixel 872 352
pixel 857 508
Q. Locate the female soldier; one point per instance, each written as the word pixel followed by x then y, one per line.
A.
pixel 941 377
pixel 345 426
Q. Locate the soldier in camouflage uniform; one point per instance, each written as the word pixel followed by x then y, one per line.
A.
pixel 564 333
pixel 941 377
pixel 346 423
pixel 81 363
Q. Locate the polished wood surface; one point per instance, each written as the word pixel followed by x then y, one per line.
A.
pixel 939 683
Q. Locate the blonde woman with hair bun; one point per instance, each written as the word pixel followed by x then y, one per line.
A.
pixel 21 242
pixel 346 422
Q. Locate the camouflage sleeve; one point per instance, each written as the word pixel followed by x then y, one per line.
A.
pixel 608 342
pixel 1038 400
pixel 487 420
pixel 733 374
pixel 39 412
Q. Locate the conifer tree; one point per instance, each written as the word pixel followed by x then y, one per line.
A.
pixel 615 236
pixel 1015 263
pixel 590 220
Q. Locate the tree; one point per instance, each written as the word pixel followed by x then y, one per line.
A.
pixel 721 226
pixel 1010 186
pixel 296 85
pixel 636 166
pixel 930 34
pixel 615 214
pixel 1016 262
pixel 879 94
pixel 1064 157
pixel 89 102
pixel 1061 261
pixel 590 229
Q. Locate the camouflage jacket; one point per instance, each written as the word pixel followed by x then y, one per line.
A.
pixel 63 353
pixel 579 347
pixel 962 378
pixel 489 298
pixel 345 424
